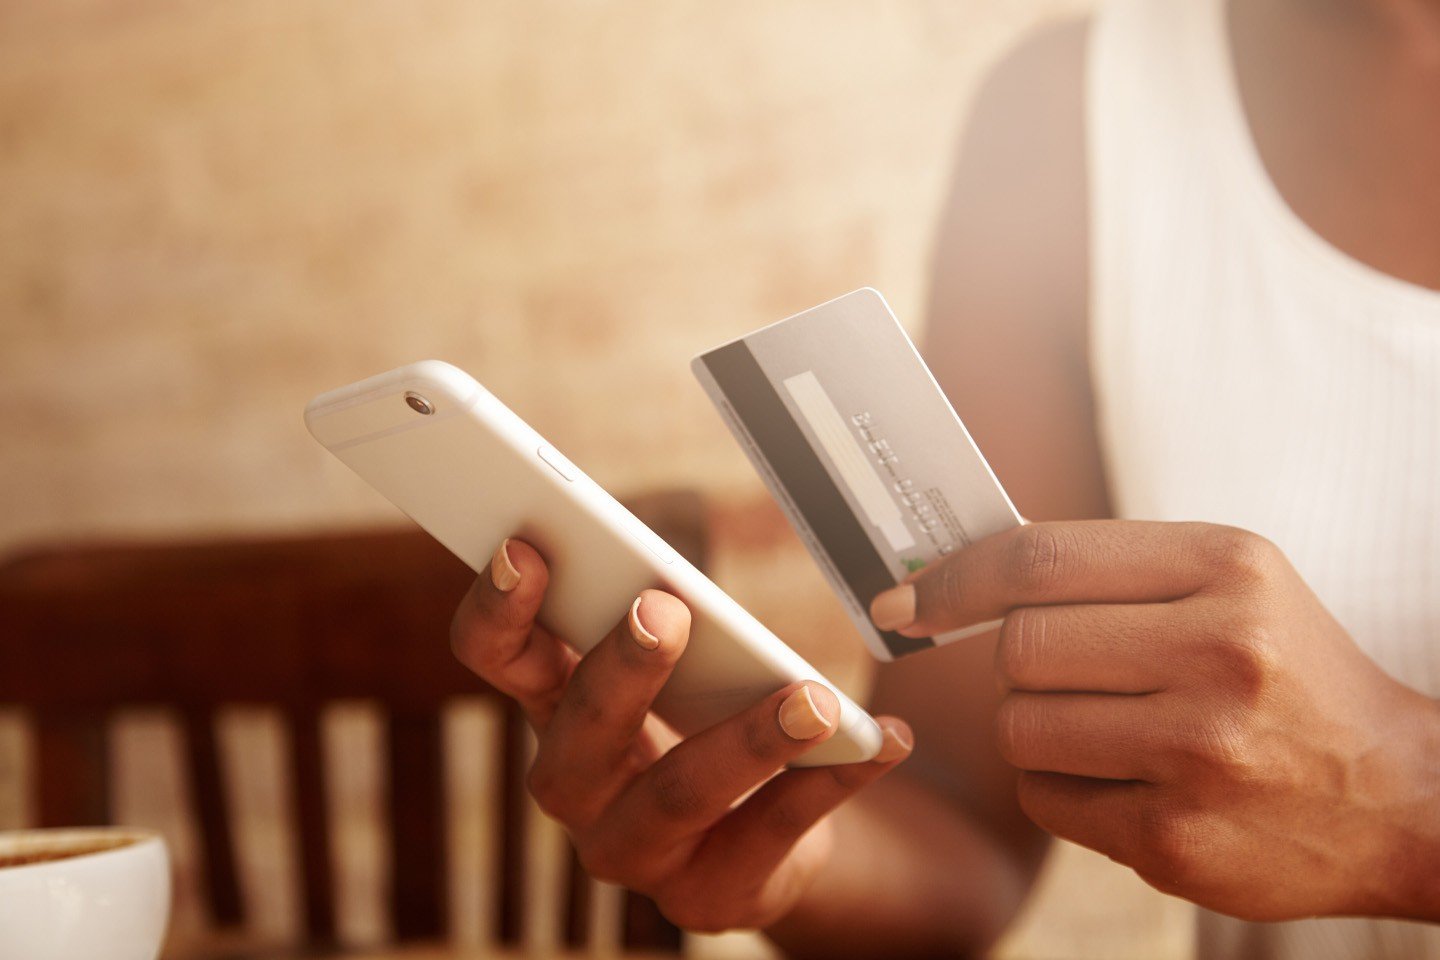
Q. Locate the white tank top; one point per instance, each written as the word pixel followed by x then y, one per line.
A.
pixel 1247 372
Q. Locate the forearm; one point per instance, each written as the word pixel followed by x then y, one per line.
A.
pixel 909 876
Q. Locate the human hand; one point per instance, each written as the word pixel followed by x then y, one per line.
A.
pixel 1178 699
pixel 659 815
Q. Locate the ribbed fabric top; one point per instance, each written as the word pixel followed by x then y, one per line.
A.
pixel 1248 372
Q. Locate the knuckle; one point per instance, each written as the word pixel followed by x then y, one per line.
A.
pixel 466 640
pixel 1174 843
pixel 1248 659
pixel 1222 746
pixel 696 914
pixel 759 738
pixel 1020 647
pixel 784 820
pixel 588 708
pixel 547 788
pixel 675 794
pixel 693 903
pixel 1239 555
pixel 606 862
pixel 1034 799
pixel 951 585
pixel 1014 730
pixel 479 642
pixel 634 760
pixel 1038 554
pixel 846 778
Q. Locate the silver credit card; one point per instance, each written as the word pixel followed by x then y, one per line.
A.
pixel 859 445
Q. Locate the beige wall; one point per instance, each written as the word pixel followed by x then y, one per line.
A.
pixel 211 211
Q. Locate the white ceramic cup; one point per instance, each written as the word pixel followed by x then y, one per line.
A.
pixel 104 904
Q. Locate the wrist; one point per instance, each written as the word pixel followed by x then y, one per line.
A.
pixel 1411 864
pixel 910 877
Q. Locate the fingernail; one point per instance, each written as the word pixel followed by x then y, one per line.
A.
pixel 642 636
pixel 895 608
pixel 895 745
pixel 800 718
pixel 502 572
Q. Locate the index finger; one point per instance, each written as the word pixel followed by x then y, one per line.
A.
pixel 1040 564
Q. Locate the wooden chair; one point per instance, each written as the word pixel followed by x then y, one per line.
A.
pixel 295 623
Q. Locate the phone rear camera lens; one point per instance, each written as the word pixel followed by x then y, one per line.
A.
pixel 419 404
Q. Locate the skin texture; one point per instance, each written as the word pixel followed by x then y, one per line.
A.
pixel 1171 694
pixel 1342 98
pixel 1178 699
pixel 644 810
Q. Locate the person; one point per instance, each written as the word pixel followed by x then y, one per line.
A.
pixel 1189 273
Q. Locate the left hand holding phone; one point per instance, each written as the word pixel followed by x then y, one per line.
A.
pixel 643 808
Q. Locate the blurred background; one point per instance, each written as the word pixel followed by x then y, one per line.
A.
pixel 209 212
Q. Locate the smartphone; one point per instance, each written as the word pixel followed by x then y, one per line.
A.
pixel 443 449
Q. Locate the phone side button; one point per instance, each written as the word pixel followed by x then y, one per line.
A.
pixel 660 548
pixel 649 539
pixel 557 462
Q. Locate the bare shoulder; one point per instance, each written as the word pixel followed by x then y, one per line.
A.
pixel 1006 339
pixel 1026 131
pixel 1009 298
pixel 1030 108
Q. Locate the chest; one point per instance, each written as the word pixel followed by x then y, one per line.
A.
pixel 1313 422
pixel 1345 114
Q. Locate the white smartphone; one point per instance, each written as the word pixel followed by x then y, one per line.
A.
pixel 454 458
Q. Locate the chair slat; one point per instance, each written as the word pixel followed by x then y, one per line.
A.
pixel 289 624
pixel 515 802
pixel 417 824
pixel 607 908
pixel 217 843
pixel 474 757
pixel 72 780
pixel 307 765
pixel 578 906
pixel 355 736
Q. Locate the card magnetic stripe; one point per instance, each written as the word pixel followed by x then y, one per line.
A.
pixel 800 470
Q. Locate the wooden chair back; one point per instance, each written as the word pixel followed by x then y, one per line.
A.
pixel 295 624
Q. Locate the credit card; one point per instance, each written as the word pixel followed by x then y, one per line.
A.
pixel 860 447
